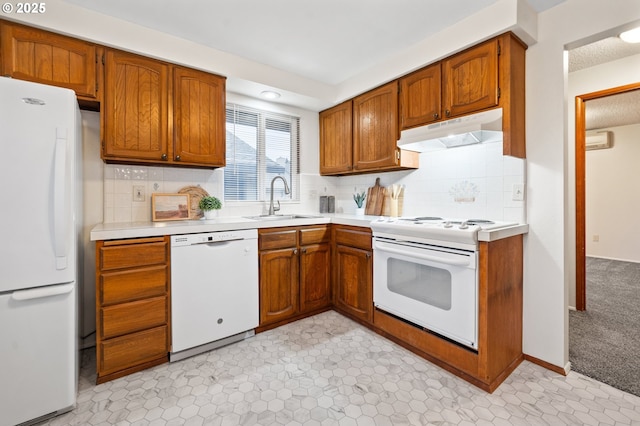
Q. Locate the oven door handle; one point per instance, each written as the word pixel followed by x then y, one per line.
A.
pixel 387 248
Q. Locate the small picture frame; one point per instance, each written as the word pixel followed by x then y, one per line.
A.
pixel 170 207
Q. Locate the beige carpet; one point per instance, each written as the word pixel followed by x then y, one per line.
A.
pixel 604 340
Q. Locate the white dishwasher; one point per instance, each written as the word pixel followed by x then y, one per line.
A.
pixel 214 290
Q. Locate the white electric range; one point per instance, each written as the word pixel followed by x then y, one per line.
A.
pixel 425 271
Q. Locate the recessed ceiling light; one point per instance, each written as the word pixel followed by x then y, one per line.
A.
pixel 631 36
pixel 269 94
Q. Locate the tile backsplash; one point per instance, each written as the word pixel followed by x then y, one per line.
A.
pixel 120 181
pixel 473 181
pixel 468 182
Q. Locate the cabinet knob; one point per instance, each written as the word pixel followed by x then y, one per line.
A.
pixel 447 113
pixel 435 116
pixel 368 255
pixel 295 251
pixel 177 158
pixel 163 157
pixel 304 250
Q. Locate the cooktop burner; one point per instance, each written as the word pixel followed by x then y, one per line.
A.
pixel 421 218
pixel 475 222
pixel 435 227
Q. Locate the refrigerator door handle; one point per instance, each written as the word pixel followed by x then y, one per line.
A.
pixel 60 199
pixel 42 292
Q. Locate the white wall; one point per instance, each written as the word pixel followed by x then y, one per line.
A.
pixel 612 202
pixel 594 79
pixel 550 245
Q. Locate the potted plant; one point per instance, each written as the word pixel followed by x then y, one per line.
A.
pixel 210 206
pixel 359 199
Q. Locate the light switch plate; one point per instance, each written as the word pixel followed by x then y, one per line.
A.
pixel 138 192
pixel 517 192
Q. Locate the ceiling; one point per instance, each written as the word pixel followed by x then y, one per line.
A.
pixel 327 41
pixel 330 41
pixel 615 110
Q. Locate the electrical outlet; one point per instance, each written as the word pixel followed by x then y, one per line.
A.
pixel 517 192
pixel 596 238
pixel 138 193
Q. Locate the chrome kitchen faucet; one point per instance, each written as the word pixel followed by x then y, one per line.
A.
pixel 272 209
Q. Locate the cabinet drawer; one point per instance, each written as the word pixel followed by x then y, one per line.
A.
pixel 314 235
pixel 129 285
pixel 282 238
pixel 132 253
pixel 130 317
pixel 354 237
pixel 133 349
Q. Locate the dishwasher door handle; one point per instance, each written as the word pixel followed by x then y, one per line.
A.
pixel 217 242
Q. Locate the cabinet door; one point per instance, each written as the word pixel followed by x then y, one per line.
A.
pixel 336 147
pixel 199 117
pixel 136 108
pixel 420 97
pixel 375 128
pixel 354 281
pixel 47 58
pixel 470 80
pixel 279 287
pixel 314 276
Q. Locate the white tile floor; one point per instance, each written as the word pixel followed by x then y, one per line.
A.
pixel 328 370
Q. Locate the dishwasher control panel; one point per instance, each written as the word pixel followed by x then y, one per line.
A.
pixel 213 237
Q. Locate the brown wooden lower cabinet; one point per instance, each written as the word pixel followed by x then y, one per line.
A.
pixel 294 273
pixel 353 272
pixel 279 287
pixel 132 305
pixel 132 352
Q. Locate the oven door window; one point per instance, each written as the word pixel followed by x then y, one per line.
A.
pixel 423 283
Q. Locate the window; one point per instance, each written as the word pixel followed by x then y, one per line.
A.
pixel 260 146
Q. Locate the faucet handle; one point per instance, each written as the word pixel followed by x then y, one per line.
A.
pixel 275 209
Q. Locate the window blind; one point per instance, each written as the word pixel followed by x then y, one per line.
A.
pixel 260 145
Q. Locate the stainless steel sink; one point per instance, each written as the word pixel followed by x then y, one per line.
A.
pixel 282 217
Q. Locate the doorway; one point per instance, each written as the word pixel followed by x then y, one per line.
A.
pixel 580 158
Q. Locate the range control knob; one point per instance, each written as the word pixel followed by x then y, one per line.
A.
pixel 464 225
pixel 448 224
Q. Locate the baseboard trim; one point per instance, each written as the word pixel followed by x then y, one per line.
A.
pixel 547 365
pixel 614 258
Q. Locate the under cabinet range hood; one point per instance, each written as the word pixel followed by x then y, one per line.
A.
pixel 482 127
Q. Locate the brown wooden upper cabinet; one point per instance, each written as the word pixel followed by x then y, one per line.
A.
pixel 420 97
pixel 470 80
pixel 336 149
pixel 375 128
pixel 43 57
pixel 360 135
pixel 137 113
pixel 199 117
pixel 136 108
pixel 486 76
pixel 459 85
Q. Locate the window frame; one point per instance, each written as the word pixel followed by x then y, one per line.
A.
pixel 262 182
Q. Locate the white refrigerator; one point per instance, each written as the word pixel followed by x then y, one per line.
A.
pixel 40 189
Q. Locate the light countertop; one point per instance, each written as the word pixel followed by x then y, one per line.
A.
pixel 113 231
